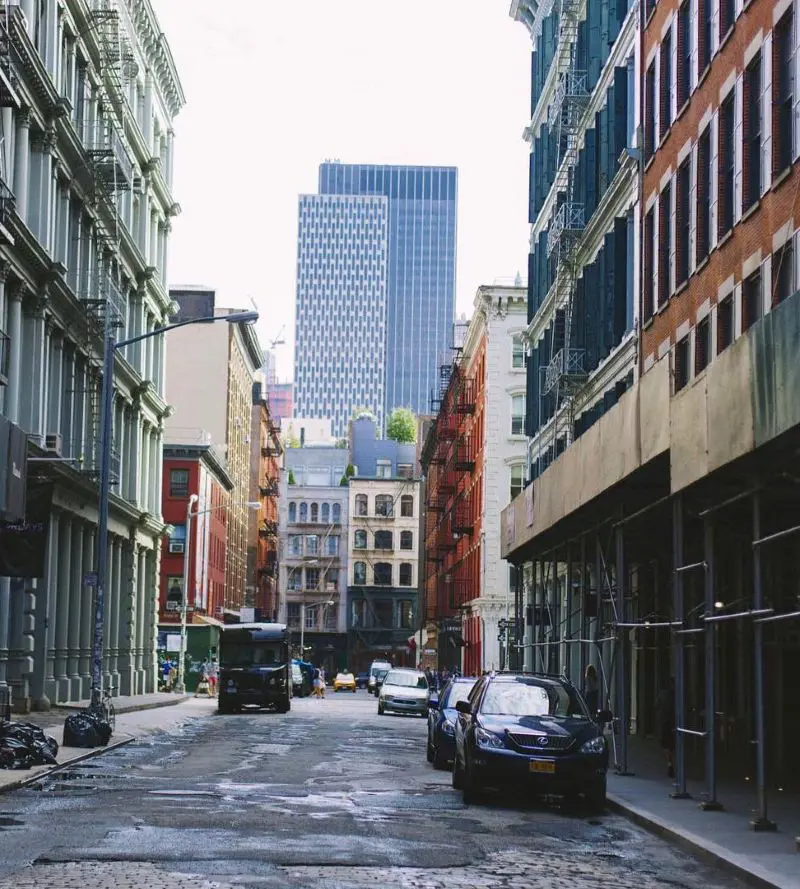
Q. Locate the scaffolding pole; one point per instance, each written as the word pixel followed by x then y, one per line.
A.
pixel 680 791
pixel 710 804
pixel 622 657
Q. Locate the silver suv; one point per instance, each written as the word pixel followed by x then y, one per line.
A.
pixel 404 691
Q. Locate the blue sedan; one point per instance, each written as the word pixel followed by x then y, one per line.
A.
pixel 442 715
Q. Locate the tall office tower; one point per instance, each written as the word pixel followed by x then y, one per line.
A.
pixel 421 283
pixel 340 339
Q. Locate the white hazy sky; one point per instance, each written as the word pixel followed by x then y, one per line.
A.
pixel 273 87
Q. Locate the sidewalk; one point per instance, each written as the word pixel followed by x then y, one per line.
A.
pixel 724 839
pixel 137 716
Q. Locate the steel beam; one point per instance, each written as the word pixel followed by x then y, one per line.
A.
pixel 680 791
pixel 622 657
pixel 710 804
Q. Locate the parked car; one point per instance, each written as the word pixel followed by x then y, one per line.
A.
pixel 374 668
pixel 530 731
pixel 380 678
pixel 307 671
pixel 404 691
pixel 344 681
pixel 442 715
pixel 362 679
pixel 297 680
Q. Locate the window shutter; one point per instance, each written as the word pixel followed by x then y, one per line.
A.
pixel 738 154
pixel 694 36
pixel 766 114
pixel 713 174
pixel 673 233
pixel 693 210
pixel 673 74
pixel 714 29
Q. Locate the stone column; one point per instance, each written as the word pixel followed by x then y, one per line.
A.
pixel 22 161
pixel 143 235
pixel 126 623
pixel 67 396
pixel 154 465
pixel 46 222
pixel 135 455
pixel 109 616
pixel 43 686
pixel 12 406
pixel 62 596
pixel 159 472
pixel 119 440
pixel 120 617
pixel 87 615
pixel 144 502
pixel 137 636
pixel 74 613
pixel 55 380
pixel 151 624
pixel 147 123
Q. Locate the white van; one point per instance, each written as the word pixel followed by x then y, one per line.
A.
pixel 375 668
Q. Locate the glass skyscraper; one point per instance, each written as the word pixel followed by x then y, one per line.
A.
pixel 421 282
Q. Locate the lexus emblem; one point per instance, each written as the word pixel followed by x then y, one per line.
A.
pixel 543 742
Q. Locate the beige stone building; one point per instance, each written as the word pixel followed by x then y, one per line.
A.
pixel 210 373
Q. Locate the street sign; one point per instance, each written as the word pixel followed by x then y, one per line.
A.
pixel 247 615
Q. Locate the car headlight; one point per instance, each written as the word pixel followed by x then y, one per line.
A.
pixel 448 728
pixel 386 698
pixel 488 739
pixel 595 745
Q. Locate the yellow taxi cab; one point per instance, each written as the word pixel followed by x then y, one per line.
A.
pixel 344 681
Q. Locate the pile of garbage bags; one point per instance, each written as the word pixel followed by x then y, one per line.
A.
pixel 23 744
pixel 86 729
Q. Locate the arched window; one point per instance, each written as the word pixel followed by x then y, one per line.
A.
pixel 383 574
pixel 360 573
pixel 360 539
pixel 292 512
pixel 315 512
pixel 406 540
pixel 303 512
pixel 384 505
pixel 337 513
pixel 383 540
pixel 407 506
pixel 326 513
pixel 361 504
pixel 405 574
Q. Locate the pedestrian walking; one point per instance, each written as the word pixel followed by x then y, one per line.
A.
pixel 213 677
pixel 591 689
pixel 202 685
pixel 319 685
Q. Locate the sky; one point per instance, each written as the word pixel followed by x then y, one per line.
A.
pixel 274 87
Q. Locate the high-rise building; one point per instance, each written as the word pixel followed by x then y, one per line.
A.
pixel 421 283
pixel 375 289
pixel 342 268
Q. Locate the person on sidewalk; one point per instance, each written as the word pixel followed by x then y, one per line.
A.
pixel 213 677
pixel 591 689
pixel 665 708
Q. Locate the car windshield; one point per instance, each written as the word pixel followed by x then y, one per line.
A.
pixel 531 697
pixel 407 680
pixel 252 654
pixel 346 676
pixel 376 669
pixel 458 691
pixel 381 674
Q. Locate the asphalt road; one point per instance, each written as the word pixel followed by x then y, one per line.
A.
pixel 328 796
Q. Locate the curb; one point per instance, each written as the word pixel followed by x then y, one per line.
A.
pixel 706 852
pixel 129 708
pixel 81 757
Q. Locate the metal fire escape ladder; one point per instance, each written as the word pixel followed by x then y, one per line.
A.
pixel 564 373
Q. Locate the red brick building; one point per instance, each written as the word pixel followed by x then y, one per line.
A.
pixel 188 470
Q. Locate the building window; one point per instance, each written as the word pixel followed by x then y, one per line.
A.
pixel 358 611
pixel 314 512
pixel 406 540
pixel 517 414
pixel 325 513
pixel 405 574
pixel 705 12
pixel 650 112
pixel 174 598
pixel 383 540
pixel 517 479
pixel 292 512
pixel 726 153
pixel 331 546
pixel 312 578
pixel 294 579
pixel 362 505
pixel 665 85
pixel 517 351
pixel 384 506
pixel 682 223
pixel 384 469
pixel 293 614
pixel 407 506
pixel 360 573
pixel 702 345
pixel 312 545
pixel 752 133
pixel 405 614
pixel 724 324
pixel 684 52
pixel 664 243
pixel 681 363
pixel 727 16
pixel 330 618
pixel 179 483
pixel 311 617
pixel 360 539
pixel 295 545
pixel 405 470
pixel 783 87
pixel 703 208
pixel 752 300
pixel 648 292
pixel 337 513
pixel 782 273
pixel 382 574
pixel 304 513
pixel 177 539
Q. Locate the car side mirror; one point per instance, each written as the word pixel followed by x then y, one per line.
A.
pixel 464 707
pixel 433 702
pixel 604 716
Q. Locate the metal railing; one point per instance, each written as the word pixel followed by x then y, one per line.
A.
pixel 5 354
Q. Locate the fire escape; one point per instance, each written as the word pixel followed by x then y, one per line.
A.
pixel 565 372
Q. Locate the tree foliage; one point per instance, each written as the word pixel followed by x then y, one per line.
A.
pixel 290 440
pixel 292 480
pixel 402 425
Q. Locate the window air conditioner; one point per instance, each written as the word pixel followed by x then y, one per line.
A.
pixel 53 443
pixel 176 546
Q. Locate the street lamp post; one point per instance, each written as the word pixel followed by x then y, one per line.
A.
pixel 110 348
pixel 303 605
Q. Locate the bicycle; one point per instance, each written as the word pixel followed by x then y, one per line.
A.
pixel 107 712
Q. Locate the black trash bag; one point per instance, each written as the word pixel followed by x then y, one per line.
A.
pixel 104 731
pixel 21 757
pixel 80 730
pixel 27 744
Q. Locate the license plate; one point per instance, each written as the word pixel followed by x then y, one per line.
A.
pixel 547 768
